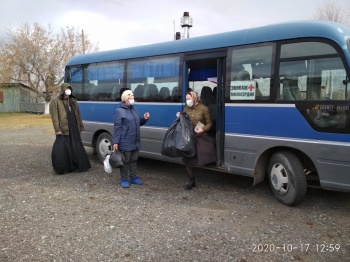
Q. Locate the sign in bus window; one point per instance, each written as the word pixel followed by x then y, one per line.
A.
pixel 242 90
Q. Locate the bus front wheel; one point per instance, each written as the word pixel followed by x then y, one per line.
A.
pixel 287 178
pixel 104 146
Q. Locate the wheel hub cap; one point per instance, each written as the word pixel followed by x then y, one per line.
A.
pixel 279 178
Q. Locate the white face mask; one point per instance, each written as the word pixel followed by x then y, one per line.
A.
pixel 132 101
pixel 189 103
pixel 68 92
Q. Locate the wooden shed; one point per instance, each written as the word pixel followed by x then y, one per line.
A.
pixel 16 97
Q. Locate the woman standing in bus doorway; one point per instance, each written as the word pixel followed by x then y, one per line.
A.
pixel 68 152
pixel 205 144
pixel 127 122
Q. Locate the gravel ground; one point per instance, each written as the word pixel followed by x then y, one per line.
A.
pixel 89 217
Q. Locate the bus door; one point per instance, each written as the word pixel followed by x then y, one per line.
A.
pixel 204 74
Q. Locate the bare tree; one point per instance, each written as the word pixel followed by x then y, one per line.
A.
pixel 331 11
pixel 5 70
pixel 36 56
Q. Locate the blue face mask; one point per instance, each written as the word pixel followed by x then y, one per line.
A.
pixel 132 101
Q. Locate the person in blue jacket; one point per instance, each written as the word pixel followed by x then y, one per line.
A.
pixel 127 122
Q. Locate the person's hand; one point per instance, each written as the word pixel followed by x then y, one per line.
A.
pixel 198 130
pixel 146 115
pixel 178 114
pixel 115 147
pixel 59 133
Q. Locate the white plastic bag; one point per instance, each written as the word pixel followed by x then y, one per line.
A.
pixel 107 166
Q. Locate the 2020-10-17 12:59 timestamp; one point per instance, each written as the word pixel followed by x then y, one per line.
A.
pixel 286 247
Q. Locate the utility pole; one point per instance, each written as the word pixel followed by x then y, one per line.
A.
pixel 83 40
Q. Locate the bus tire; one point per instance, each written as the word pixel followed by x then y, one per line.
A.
pixel 104 145
pixel 287 178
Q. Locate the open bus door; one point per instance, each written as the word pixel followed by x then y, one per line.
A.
pixel 205 74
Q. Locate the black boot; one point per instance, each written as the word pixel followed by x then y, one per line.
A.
pixel 190 183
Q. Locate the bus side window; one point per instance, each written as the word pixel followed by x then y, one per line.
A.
pixel 290 89
pixel 115 92
pixel 262 77
pixel 252 67
pixel 147 75
pixel 151 92
pixel 103 92
pixel 164 93
pixel 242 74
pixel 290 76
pixel 176 94
pixel 138 92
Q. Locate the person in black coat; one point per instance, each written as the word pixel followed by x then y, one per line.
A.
pixel 68 152
pixel 127 122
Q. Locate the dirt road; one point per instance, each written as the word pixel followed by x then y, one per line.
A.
pixel 89 217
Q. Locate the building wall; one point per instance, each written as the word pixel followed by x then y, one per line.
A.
pixel 17 98
pixel 11 98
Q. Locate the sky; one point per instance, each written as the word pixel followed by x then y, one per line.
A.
pixel 115 24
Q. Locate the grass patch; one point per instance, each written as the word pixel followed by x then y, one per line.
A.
pixel 23 120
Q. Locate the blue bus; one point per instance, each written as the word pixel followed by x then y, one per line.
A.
pixel 278 96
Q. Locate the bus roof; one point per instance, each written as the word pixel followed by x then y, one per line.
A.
pixel 288 30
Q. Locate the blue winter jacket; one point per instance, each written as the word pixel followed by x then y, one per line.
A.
pixel 127 122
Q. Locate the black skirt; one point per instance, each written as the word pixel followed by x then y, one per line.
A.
pixel 205 152
pixel 68 152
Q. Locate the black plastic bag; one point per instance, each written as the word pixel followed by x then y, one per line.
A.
pixel 116 159
pixel 180 140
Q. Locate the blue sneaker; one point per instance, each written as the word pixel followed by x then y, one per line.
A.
pixel 124 183
pixel 136 181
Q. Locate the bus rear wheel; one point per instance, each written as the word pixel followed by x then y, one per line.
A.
pixel 287 178
pixel 104 145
